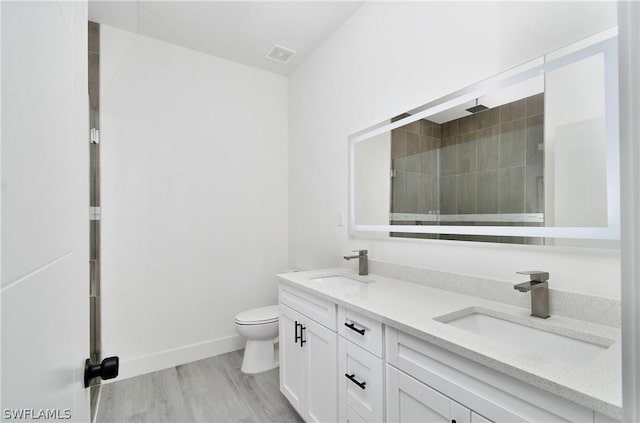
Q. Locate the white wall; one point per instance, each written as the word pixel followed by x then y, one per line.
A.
pixel 194 199
pixel 392 57
pixel 45 200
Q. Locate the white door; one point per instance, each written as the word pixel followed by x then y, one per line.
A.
pixel 44 205
pixel 321 349
pixel 409 401
pixel 291 359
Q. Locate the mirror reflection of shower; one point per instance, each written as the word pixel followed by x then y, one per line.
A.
pixel 473 165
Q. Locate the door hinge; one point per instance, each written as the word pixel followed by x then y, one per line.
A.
pixel 95 213
pixel 95 136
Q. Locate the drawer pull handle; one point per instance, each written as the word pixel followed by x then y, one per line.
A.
pixel 352 378
pixel 302 340
pixel 297 336
pixel 353 327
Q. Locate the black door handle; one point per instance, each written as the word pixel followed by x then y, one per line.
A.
pixel 297 336
pixel 108 369
pixel 302 340
pixel 353 327
pixel 352 378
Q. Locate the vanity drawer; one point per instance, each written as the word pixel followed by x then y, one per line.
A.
pixel 361 330
pixel 490 393
pixel 347 415
pixel 318 309
pixel 361 381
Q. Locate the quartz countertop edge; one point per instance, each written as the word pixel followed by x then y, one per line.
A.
pixel 412 307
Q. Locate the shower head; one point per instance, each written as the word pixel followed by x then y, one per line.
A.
pixel 477 108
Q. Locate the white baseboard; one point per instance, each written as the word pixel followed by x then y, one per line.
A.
pixel 176 356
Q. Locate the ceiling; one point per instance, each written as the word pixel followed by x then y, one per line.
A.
pixel 241 31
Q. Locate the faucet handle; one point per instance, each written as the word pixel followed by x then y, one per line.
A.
pixel 361 252
pixel 536 275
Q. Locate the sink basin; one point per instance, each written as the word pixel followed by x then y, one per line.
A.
pixel 579 348
pixel 340 281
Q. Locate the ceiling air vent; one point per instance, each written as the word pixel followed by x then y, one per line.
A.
pixel 281 54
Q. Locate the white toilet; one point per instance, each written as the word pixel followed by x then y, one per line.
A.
pixel 260 327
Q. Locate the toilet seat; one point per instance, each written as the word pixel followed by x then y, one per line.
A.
pixel 259 327
pixel 258 316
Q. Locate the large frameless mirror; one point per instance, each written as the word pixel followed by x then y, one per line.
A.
pixel 529 156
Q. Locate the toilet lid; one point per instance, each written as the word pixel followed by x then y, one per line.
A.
pixel 258 316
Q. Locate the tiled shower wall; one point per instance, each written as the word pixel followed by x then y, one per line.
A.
pixel 492 161
pixel 414 157
pixel 489 163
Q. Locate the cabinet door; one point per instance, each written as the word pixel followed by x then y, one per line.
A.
pixel 292 368
pixel 347 415
pixel 476 418
pixel 321 369
pixel 410 401
pixel 459 413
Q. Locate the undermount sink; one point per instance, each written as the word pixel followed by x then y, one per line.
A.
pixel 570 347
pixel 341 281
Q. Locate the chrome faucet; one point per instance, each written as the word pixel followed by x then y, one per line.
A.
pixel 539 287
pixel 363 261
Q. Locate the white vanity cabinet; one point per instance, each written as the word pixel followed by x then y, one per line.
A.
pixel 361 377
pixel 429 384
pixel 308 354
pixel 409 400
pixel 339 362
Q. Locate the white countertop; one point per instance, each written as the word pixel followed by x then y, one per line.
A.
pixel 412 307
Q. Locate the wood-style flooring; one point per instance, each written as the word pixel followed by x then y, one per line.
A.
pixel 210 390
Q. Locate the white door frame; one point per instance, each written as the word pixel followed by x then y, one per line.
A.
pixel 629 39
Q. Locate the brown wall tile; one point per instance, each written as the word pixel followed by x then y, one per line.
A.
pixel 488 148
pixel 449 129
pixel 488 118
pixel 448 160
pixel 535 104
pixel 512 111
pixel 467 152
pixel 436 130
pixel 448 196
pixel 466 193
pixel 487 194
pixel 467 124
pixel 413 127
pixel 512 143
pixel 511 190
pixel 398 144
pixel 534 136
